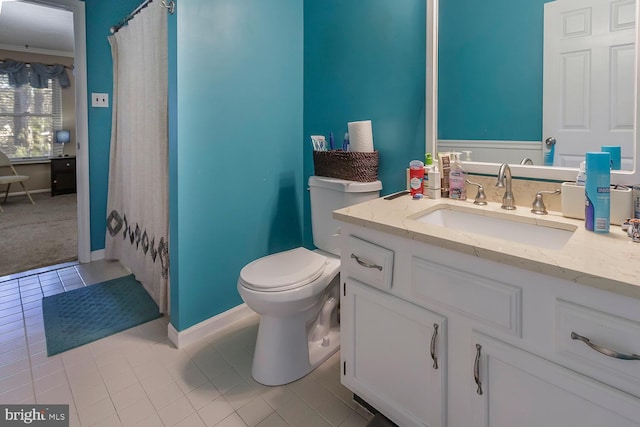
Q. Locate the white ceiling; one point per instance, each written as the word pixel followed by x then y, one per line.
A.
pixel 30 27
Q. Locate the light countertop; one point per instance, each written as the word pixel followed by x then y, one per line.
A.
pixel 606 261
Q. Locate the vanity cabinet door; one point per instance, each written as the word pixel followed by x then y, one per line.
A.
pixel 393 355
pixel 511 387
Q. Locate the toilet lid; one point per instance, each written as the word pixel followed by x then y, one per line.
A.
pixel 284 270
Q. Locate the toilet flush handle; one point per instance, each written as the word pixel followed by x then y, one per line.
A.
pixel 338 232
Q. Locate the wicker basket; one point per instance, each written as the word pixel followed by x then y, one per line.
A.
pixel 349 165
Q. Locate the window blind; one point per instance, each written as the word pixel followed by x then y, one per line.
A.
pixel 28 119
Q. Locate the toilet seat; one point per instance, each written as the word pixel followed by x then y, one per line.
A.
pixel 283 271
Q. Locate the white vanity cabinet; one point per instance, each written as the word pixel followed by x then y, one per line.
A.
pixel 399 373
pixel 504 344
pixel 392 351
pixel 517 388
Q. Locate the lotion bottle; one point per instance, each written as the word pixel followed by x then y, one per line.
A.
pixel 428 165
pixel 457 178
pixel 445 160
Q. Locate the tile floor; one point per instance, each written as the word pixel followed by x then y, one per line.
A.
pixel 138 378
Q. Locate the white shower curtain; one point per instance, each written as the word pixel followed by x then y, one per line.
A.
pixel 137 205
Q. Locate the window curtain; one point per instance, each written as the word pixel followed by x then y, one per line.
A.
pixel 137 205
pixel 36 74
pixel 17 71
pixel 41 73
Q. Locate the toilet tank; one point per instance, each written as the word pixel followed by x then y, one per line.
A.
pixel 329 194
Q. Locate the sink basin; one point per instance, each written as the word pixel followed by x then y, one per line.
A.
pixel 542 234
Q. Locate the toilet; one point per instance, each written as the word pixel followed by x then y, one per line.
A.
pixel 296 292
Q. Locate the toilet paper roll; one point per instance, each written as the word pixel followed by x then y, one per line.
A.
pixel 360 136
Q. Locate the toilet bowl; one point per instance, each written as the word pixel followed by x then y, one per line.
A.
pixel 296 294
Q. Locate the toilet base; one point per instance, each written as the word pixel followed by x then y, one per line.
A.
pixel 318 353
pixel 283 353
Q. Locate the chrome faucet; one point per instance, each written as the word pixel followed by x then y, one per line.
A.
pixel 526 161
pixel 504 174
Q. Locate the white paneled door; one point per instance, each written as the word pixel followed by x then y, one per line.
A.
pixel 589 86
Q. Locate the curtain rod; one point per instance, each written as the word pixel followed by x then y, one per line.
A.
pixel 171 6
pixel 68 67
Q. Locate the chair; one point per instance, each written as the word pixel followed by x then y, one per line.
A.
pixel 10 179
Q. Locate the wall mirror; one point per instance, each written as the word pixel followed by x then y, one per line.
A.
pixel 510 75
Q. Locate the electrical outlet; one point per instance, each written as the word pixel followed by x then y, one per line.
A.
pixel 100 100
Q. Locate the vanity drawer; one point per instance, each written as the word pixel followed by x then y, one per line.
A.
pixel 606 333
pixel 496 304
pixel 370 263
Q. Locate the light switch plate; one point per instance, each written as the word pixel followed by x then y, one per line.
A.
pixel 100 100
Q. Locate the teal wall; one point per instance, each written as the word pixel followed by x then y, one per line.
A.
pixel 366 61
pixel 100 16
pixel 241 74
pixel 237 161
pixel 490 69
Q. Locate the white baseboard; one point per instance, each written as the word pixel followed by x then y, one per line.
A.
pixel 209 326
pixel 97 255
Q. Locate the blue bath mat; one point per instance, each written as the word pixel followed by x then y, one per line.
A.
pixel 83 315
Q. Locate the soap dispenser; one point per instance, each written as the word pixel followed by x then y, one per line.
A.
pixel 428 165
pixel 457 179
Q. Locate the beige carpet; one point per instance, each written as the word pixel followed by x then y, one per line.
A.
pixel 40 235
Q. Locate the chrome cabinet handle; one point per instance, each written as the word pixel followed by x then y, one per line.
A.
pixel 476 369
pixel 433 346
pixel 604 350
pixel 364 264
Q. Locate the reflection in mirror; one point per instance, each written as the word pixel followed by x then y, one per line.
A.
pixel 511 75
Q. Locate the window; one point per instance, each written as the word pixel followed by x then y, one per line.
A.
pixel 28 119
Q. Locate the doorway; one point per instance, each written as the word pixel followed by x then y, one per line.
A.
pixel 77 9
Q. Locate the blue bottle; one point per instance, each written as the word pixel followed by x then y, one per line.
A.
pixel 597 203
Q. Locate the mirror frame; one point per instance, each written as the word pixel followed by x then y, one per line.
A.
pixel 521 171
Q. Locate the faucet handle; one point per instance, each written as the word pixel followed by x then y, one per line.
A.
pixel 481 198
pixel 633 230
pixel 538 206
